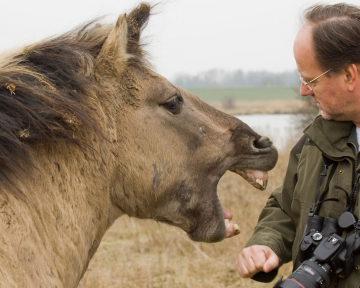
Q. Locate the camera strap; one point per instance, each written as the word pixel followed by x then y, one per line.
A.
pixel 353 193
pixel 320 196
pixel 315 207
pixel 356 238
pixel 348 198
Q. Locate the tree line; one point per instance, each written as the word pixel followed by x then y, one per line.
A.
pixel 238 78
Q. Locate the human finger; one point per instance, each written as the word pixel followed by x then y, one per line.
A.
pixel 258 257
pixel 241 268
pixel 248 267
pixel 272 260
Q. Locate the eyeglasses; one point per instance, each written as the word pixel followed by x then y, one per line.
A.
pixel 311 81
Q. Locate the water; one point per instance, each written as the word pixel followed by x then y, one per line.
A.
pixel 280 128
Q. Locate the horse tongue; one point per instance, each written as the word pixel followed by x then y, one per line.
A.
pixel 256 178
pixel 227 214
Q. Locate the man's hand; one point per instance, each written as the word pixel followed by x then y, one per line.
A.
pixel 254 259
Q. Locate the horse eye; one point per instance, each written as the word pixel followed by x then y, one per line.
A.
pixel 173 105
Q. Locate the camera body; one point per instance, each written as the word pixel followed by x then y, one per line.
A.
pixel 323 253
pixel 329 247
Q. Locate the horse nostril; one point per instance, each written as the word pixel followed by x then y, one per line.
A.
pixel 263 142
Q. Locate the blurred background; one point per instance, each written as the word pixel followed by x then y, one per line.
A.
pixel 185 36
pixel 234 54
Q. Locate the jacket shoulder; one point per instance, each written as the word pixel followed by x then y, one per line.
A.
pixel 304 140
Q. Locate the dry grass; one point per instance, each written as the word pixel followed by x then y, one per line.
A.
pixel 136 253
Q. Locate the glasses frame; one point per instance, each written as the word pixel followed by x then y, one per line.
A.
pixel 309 82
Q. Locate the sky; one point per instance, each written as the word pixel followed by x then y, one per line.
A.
pixel 184 36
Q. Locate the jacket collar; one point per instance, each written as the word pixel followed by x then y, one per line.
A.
pixel 332 137
pixel 352 141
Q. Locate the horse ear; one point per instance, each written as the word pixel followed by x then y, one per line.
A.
pixel 113 55
pixel 137 20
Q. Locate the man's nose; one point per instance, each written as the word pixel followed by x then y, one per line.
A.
pixel 305 91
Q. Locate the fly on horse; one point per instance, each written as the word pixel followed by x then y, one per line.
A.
pixel 88 132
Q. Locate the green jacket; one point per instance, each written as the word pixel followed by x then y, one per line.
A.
pixel 282 221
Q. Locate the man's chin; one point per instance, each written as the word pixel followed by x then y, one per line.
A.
pixel 326 116
pixel 337 117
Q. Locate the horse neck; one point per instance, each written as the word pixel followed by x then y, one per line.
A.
pixel 66 214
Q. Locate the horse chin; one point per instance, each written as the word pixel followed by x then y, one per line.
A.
pixel 215 237
pixel 211 228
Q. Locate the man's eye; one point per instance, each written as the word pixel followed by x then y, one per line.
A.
pixel 173 105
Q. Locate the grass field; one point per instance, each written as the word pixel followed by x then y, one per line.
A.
pixel 145 254
pixel 246 93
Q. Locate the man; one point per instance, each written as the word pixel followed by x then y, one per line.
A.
pixel 327 53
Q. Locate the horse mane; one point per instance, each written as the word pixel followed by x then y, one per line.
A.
pixel 45 88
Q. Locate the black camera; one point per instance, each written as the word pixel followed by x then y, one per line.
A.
pixel 323 254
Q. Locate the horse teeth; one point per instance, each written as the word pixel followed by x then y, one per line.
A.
pixel 260 181
pixel 236 229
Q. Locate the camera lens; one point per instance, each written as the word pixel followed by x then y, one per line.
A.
pixel 310 275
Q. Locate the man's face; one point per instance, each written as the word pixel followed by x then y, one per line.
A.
pixel 329 93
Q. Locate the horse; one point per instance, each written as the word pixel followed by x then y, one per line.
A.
pixel 88 133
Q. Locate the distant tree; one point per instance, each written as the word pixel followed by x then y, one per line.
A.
pixel 238 78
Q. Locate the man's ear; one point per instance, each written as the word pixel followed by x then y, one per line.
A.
pixel 351 77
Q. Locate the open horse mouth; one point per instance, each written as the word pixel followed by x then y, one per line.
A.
pixel 256 178
pixel 216 225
